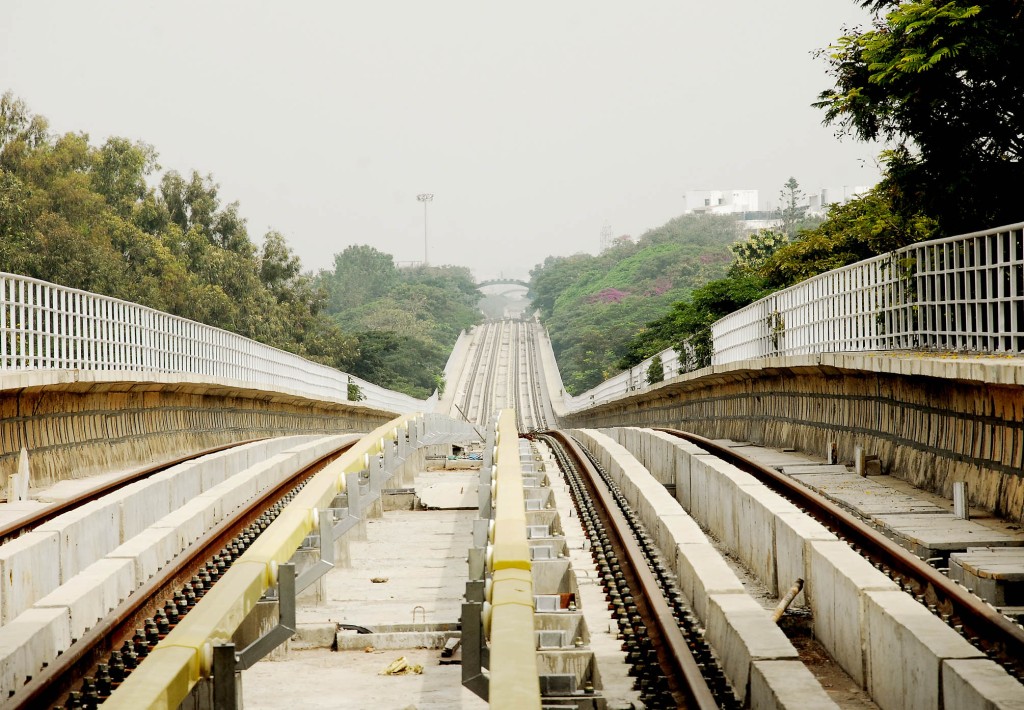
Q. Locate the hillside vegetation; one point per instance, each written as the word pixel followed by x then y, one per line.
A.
pixel 88 217
pixel 594 305
pixel 406 321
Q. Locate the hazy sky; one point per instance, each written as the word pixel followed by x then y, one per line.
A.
pixel 533 123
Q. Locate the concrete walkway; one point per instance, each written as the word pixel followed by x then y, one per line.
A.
pixel 408 569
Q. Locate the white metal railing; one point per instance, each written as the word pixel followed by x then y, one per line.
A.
pixel 963 293
pixel 44 326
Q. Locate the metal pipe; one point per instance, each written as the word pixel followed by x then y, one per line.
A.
pixel 787 600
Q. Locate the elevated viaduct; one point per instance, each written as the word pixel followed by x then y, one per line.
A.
pixel 920 370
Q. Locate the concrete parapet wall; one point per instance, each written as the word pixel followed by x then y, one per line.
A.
pixel 145 521
pixel 78 424
pixel 738 628
pixel 932 421
pixel 891 645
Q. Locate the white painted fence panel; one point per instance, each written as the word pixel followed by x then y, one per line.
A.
pixel 48 327
pixel 958 294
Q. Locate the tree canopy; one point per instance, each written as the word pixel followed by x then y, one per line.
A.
pixel 594 305
pixel 405 320
pixel 943 81
pixel 88 217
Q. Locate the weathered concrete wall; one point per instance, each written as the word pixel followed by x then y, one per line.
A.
pixel 100 423
pixel 931 425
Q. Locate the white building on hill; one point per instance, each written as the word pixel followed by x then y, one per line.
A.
pixel 720 201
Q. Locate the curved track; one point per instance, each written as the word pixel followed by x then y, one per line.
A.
pixel 91 668
pixel 668 654
pixel 975 620
pixel 20 527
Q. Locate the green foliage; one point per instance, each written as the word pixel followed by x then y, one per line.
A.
pixel 406 320
pixel 689 320
pixel 655 371
pixel 752 254
pixel 355 392
pixel 860 229
pixel 942 81
pixel 790 209
pixel 594 305
pixel 85 216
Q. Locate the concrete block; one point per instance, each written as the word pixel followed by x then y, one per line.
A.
pixel 979 683
pixel 259 451
pixel 906 646
pixel 29 569
pixel 701 572
pixel 785 685
pixel 86 534
pixel 274 468
pixel 654 502
pixel 141 504
pixel 149 551
pixel 837 580
pixel 793 532
pixel 190 521
pixel 683 485
pixel 33 638
pixel 757 509
pixel 723 482
pixel 678 529
pixel 216 468
pixel 698 490
pixel 234 492
pixel 741 632
pixel 183 484
pixel 90 594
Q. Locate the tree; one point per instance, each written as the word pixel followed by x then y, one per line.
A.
pixel 860 229
pixel 943 81
pixel 120 173
pixel 752 254
pixel 361 274
pixel 655 371
pixel 790 209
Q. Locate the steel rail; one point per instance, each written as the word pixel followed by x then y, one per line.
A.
pixel 52 686
pixel 19 527
pixel 537 368
pixel 487 394
pixel 686 683
pixel 981 624
pixel 467 397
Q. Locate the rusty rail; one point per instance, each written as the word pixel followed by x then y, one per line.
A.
pixel 981 624
pixel 52 686
pixel 686 683
pixel 21 526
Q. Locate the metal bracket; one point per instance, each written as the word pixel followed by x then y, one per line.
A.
pixel 326 562
pixel 474 651
pixel 285 627
pixel 225 688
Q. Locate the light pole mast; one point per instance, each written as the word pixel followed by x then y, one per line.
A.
pixel 425 197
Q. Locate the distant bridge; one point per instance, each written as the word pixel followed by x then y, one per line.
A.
pixel 499 282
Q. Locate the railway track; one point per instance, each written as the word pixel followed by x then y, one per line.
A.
pixel 529 396
pixel 85 674
pixel 673 664
pixel 985 628
pixel 479 394
pixel 21 526
pixel 504 372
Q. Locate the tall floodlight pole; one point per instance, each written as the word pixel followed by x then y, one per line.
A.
pixel 425 197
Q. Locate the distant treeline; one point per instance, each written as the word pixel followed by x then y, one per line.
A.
pixel 87 217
